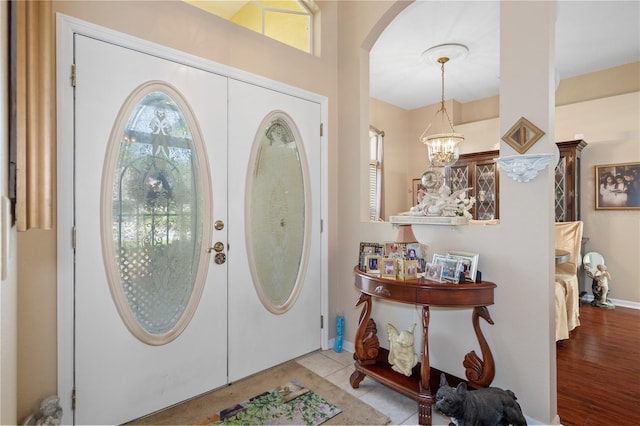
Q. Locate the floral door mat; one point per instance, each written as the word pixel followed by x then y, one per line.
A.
pixel 289 404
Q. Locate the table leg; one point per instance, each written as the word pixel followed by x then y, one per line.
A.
pixel 425 399
pixel 366 344
pixel 480 373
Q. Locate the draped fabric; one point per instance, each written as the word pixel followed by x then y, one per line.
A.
pixel 568 236
pixel 34 114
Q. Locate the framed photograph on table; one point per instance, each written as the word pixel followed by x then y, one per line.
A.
pixel 617 186
pixel 389 268
pixel 373 263
pixel 468 263
pixel 450 268
pixel 368 249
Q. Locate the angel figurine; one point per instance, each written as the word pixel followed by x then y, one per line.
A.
pixel 402 356
pixel 600 287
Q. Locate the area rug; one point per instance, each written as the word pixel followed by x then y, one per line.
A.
pixel 288 404
pixel 201 410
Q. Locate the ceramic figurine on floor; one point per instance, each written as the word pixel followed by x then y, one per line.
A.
pixel 487 406
pixel 402 357
pixel 600 287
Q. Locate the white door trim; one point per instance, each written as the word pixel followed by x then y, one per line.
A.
pixel 66 27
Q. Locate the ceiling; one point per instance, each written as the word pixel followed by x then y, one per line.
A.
pixel 590 36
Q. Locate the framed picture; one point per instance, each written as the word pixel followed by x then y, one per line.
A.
pixel 368 249
pixel 433 271
pixel 450 267
pixel 617 186
pixel 468 263
pixel 418 191
pixel 418 252
pixel 373 263
pixel 389 268
pixel 395 250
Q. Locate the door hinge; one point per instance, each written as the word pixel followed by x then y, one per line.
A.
pixel 73 399
pixel 73 75
pixel 321 129
pixel 73 237
pixel 321 226
pixel 321 321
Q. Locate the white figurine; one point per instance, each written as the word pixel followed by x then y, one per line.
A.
pixel 600 287
pixel 402 357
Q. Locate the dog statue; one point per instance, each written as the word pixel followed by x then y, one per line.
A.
pixel 482 407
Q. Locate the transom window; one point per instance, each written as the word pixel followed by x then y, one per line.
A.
pixel 288 21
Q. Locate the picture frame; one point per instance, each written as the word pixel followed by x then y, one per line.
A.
pixel 433 272
pixel 617 186
pixel 450 268
pixel 418 252
pixel 395 250
pixel 417 186
pixel 468 263
pixel 368 249
pixel 373 263
pixel 389 267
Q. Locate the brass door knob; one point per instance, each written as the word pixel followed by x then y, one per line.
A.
pixel 220 258
pixel 218 247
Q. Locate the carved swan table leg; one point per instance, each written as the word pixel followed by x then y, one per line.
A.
pixel 366 344
pixel 480 373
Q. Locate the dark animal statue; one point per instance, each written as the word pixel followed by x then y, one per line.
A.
pixel 482 407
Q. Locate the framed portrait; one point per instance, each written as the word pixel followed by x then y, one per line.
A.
pixel 417 187
pixel 373 263
pixel 468 263
pixel 450 268
pixel 395 250
pixel 389 267
pixel 368 249
pixel 417 251
pixel 407 269
pixel 433 272
pixel 617 186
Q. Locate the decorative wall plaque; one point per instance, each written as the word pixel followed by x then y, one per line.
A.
pixel 522 135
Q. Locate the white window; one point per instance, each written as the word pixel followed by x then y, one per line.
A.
pixel 376 138
pixel 288 21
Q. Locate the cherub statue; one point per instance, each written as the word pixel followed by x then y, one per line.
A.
pixel 600 286
pixel 402 357
pixel 50 412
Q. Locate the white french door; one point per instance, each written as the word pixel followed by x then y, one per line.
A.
pixel 176 176
pixel 274 236
pixel 147 249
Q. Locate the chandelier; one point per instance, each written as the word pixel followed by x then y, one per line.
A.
pixel 443 148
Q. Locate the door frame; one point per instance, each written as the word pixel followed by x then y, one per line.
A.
pixel 66 27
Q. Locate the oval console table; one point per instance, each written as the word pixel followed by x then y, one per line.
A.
pixel 372 360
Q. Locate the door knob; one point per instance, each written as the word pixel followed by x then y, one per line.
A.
pixel 220 258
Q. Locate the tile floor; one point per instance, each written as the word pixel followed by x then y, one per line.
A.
pixel 337 367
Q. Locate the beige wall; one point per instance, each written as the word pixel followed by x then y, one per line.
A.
pixel 340 73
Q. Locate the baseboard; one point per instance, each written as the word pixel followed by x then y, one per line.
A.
pixel 587 298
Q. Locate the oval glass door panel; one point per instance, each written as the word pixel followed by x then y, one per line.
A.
pixel 277 208
pixel 154 209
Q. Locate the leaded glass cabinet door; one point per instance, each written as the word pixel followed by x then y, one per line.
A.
pixel 274 287
pixel 150 180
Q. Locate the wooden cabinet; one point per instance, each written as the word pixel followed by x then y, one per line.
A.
pixel 567 184
pixel 479 171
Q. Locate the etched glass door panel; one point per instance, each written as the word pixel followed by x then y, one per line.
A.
pixel 153 213
pixel 277 212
